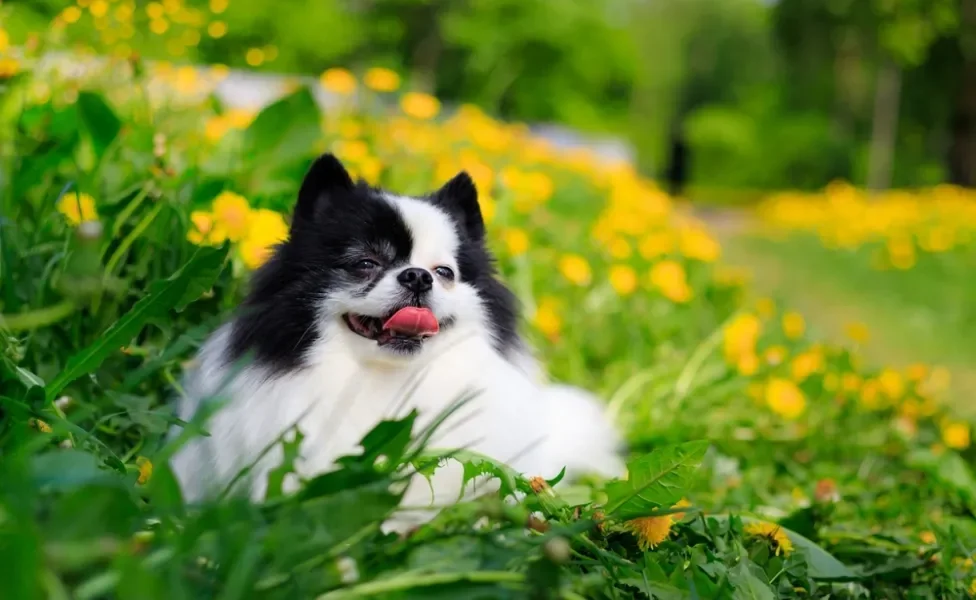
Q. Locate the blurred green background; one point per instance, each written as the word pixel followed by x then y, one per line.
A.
pixel 764 94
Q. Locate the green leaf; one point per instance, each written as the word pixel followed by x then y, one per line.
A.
pixel 950 469
pixel 162 296
pixel 276 476
pixel 67 469
pixel 98 120
pixel 747 585
pixel 474 464
pixel 281 135
pixel 656 480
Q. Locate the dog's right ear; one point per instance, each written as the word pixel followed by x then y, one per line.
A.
pixel 326 178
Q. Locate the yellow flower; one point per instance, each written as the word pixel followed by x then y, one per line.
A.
pixel 39 425
pixel 650 531
pixel 871 395
pixel 381 80
pixel 927 537
pixel 785 399
pixel 77 207
pixel 71 14
pixel 956 435
pixel 892 383
pixel 338 81
pixel 231 213
pixel 420 106
pixel 699 245
pixel 668 276
pixel 794 325
pixel 575 269
pixel 217 29
pixel 620 249
pixel 858 332
pixel 547 319
pixel 654 245
pixel 145 470
pixel 205 229
pixel 748 365
pixel 267 229
pixel 806 364
pixel 739 337
pixel 516 240
pixel 8 67
pixel 4 41
pixel 775 355
pixel 772 533
pixel 623 278
pixel 254 57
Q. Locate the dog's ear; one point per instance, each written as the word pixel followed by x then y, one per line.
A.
pixel 459 197
pixel 324 180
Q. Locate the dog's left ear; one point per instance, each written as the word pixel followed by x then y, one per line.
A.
pixel 459 197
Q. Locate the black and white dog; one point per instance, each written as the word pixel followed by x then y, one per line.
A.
pixel 378 304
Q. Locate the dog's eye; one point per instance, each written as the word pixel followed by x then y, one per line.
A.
pixel 367 265
pixel 445 272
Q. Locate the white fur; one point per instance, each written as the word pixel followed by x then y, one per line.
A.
pixel 351 383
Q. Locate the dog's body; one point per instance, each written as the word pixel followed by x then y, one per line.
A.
pixel 376 305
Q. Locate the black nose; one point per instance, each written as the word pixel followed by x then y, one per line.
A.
pixel 416 280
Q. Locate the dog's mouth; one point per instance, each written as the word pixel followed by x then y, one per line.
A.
pixel 410 325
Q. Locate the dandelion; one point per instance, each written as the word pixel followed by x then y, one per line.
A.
pixel 420 106
pixel 857 332
pixel 668 277
pixel 739 337
pixel 699 245
pixel 892 383
pixel 806 364
pixel 77 208
pixel 39 425
pixel 620 249
pixel 381 80
pixel 956 435
pixel 927 537
pixel 516 240
pixel 145 470
pixel 205 230
pixel 775 355
pixel 793 325
pixel 650 531
pixel 773 534
pixel 623 279
pixel 217 29
pixel 785 399
pixel 267 229
pixel 338 81
pixel 231 213
pixel 254 57
pixel 575 269
pixel 8 67
pixel 547 319
pixel 654 245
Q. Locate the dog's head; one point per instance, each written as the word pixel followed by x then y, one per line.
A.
pixel 387 274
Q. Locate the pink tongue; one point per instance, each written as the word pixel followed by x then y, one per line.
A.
pixel 413 321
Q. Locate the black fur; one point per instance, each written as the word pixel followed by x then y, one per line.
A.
pixel 335 225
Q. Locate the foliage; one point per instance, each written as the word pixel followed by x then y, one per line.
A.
pixel 771 94
pixel 130 221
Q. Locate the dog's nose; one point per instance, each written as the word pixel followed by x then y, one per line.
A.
pixel 416 280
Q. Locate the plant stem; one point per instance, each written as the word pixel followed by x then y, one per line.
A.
pixel 34 319
pixel 415 580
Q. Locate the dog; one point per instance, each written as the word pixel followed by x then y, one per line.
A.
pixel 375 305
